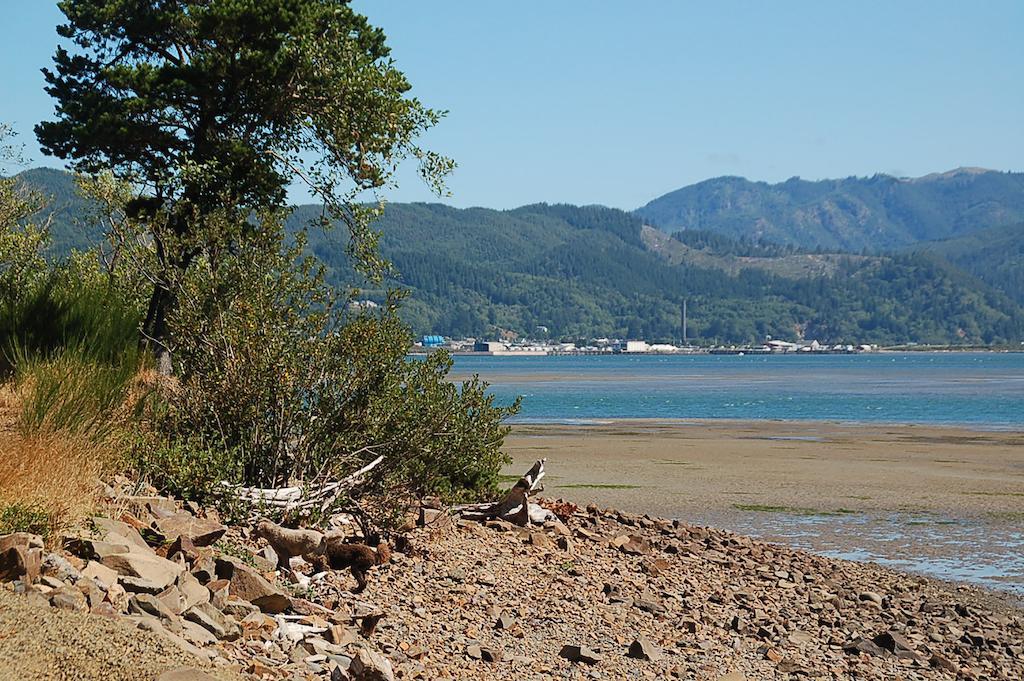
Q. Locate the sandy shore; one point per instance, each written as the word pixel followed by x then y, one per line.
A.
pixel 944 501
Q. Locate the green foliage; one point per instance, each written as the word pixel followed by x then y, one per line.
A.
pixel 71 392
pixel 994 255
pixel 280 381
pixel 24 518
pixel 215 108
pixel 67 308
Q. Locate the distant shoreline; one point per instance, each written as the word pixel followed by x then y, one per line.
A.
pixel 598 423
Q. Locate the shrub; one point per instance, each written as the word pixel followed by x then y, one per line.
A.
pixel 279 381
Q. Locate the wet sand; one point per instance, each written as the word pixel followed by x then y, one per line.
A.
pixel 947 502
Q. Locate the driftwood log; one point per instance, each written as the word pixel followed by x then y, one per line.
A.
pixel 515 507
pixel 301 498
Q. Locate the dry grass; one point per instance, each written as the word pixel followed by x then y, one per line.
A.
pixel 55 448
pixel 48 481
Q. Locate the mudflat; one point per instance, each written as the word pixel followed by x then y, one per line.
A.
pixel 944 501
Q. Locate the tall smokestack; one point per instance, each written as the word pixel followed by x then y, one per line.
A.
pixel 683 320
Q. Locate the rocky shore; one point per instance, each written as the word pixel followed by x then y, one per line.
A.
pixel 157 589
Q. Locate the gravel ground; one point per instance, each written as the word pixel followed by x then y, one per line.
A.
pixel 39 642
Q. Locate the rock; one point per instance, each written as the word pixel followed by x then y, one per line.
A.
pixel 197 634
pixel 214 621
pixel 942 662
pixel 137 585
pixel 474 651
pixel 69 598
pixel 192 592
pixel 580 654
pixel 95 549
pixel 118 532
pixel 870 596
pixel 201 531
pixel 20 562
pixel 541 540
pixel 157 507
pixel 368 665
pixel 433 517
pixel 651 606
pixel 146 604
pixel 218 591
pixel 240 609
pixel 732 676
pixel 642 649
pixel 24 539
pixel 249 585
pixel 183 545
pixel 863 645
pixel 99 572
pixel 151 568
pixel 897 645
pixel 204 569
pixel 91 590
pixel 56 565
pixel 636 545
pixel 790 666
pixel 491 654
pixel 341 635
pixel 800 638
pixel 504 621
pixel 185 674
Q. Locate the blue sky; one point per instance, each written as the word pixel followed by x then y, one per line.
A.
pixel 593 101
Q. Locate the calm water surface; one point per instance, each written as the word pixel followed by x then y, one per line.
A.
pixel 984 390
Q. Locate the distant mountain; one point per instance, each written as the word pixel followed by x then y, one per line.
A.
pixel 68 212
pixel 592 271
pixel 852 214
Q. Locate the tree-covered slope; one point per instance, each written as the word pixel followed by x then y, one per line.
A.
pixel 593 271
pixel 852 214
pixel 994 255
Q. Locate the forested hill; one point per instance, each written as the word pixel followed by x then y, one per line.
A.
pixel 593 271
pixel 994 255
pixel 852 214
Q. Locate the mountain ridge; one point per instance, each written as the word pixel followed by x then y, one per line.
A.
pixel 592 271
pixel 879 212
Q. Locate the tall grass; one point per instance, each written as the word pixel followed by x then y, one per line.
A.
pixel 48 481
pixel 71 393
pixel 66 310
pixel 69 353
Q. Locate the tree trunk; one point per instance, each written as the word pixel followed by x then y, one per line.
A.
pixel 154 330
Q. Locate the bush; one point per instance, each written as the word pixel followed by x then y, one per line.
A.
pixel 279 381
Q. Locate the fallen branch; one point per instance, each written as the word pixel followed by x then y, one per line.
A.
pixel 515 507
pixel 297 498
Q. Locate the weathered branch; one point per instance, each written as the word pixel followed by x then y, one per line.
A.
pixel 515 507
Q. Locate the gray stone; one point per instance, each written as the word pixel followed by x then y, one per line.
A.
pixel 69 598
pixel 56 565
pixel 202 531
pixel 214 621
pixel 368 665
pixel 580 654
pixel 100 573
pixel 642 649
pixel 146 604
pixel 248 585
pixel 151 568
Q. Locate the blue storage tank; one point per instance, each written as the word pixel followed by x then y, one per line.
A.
pixel 433 341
